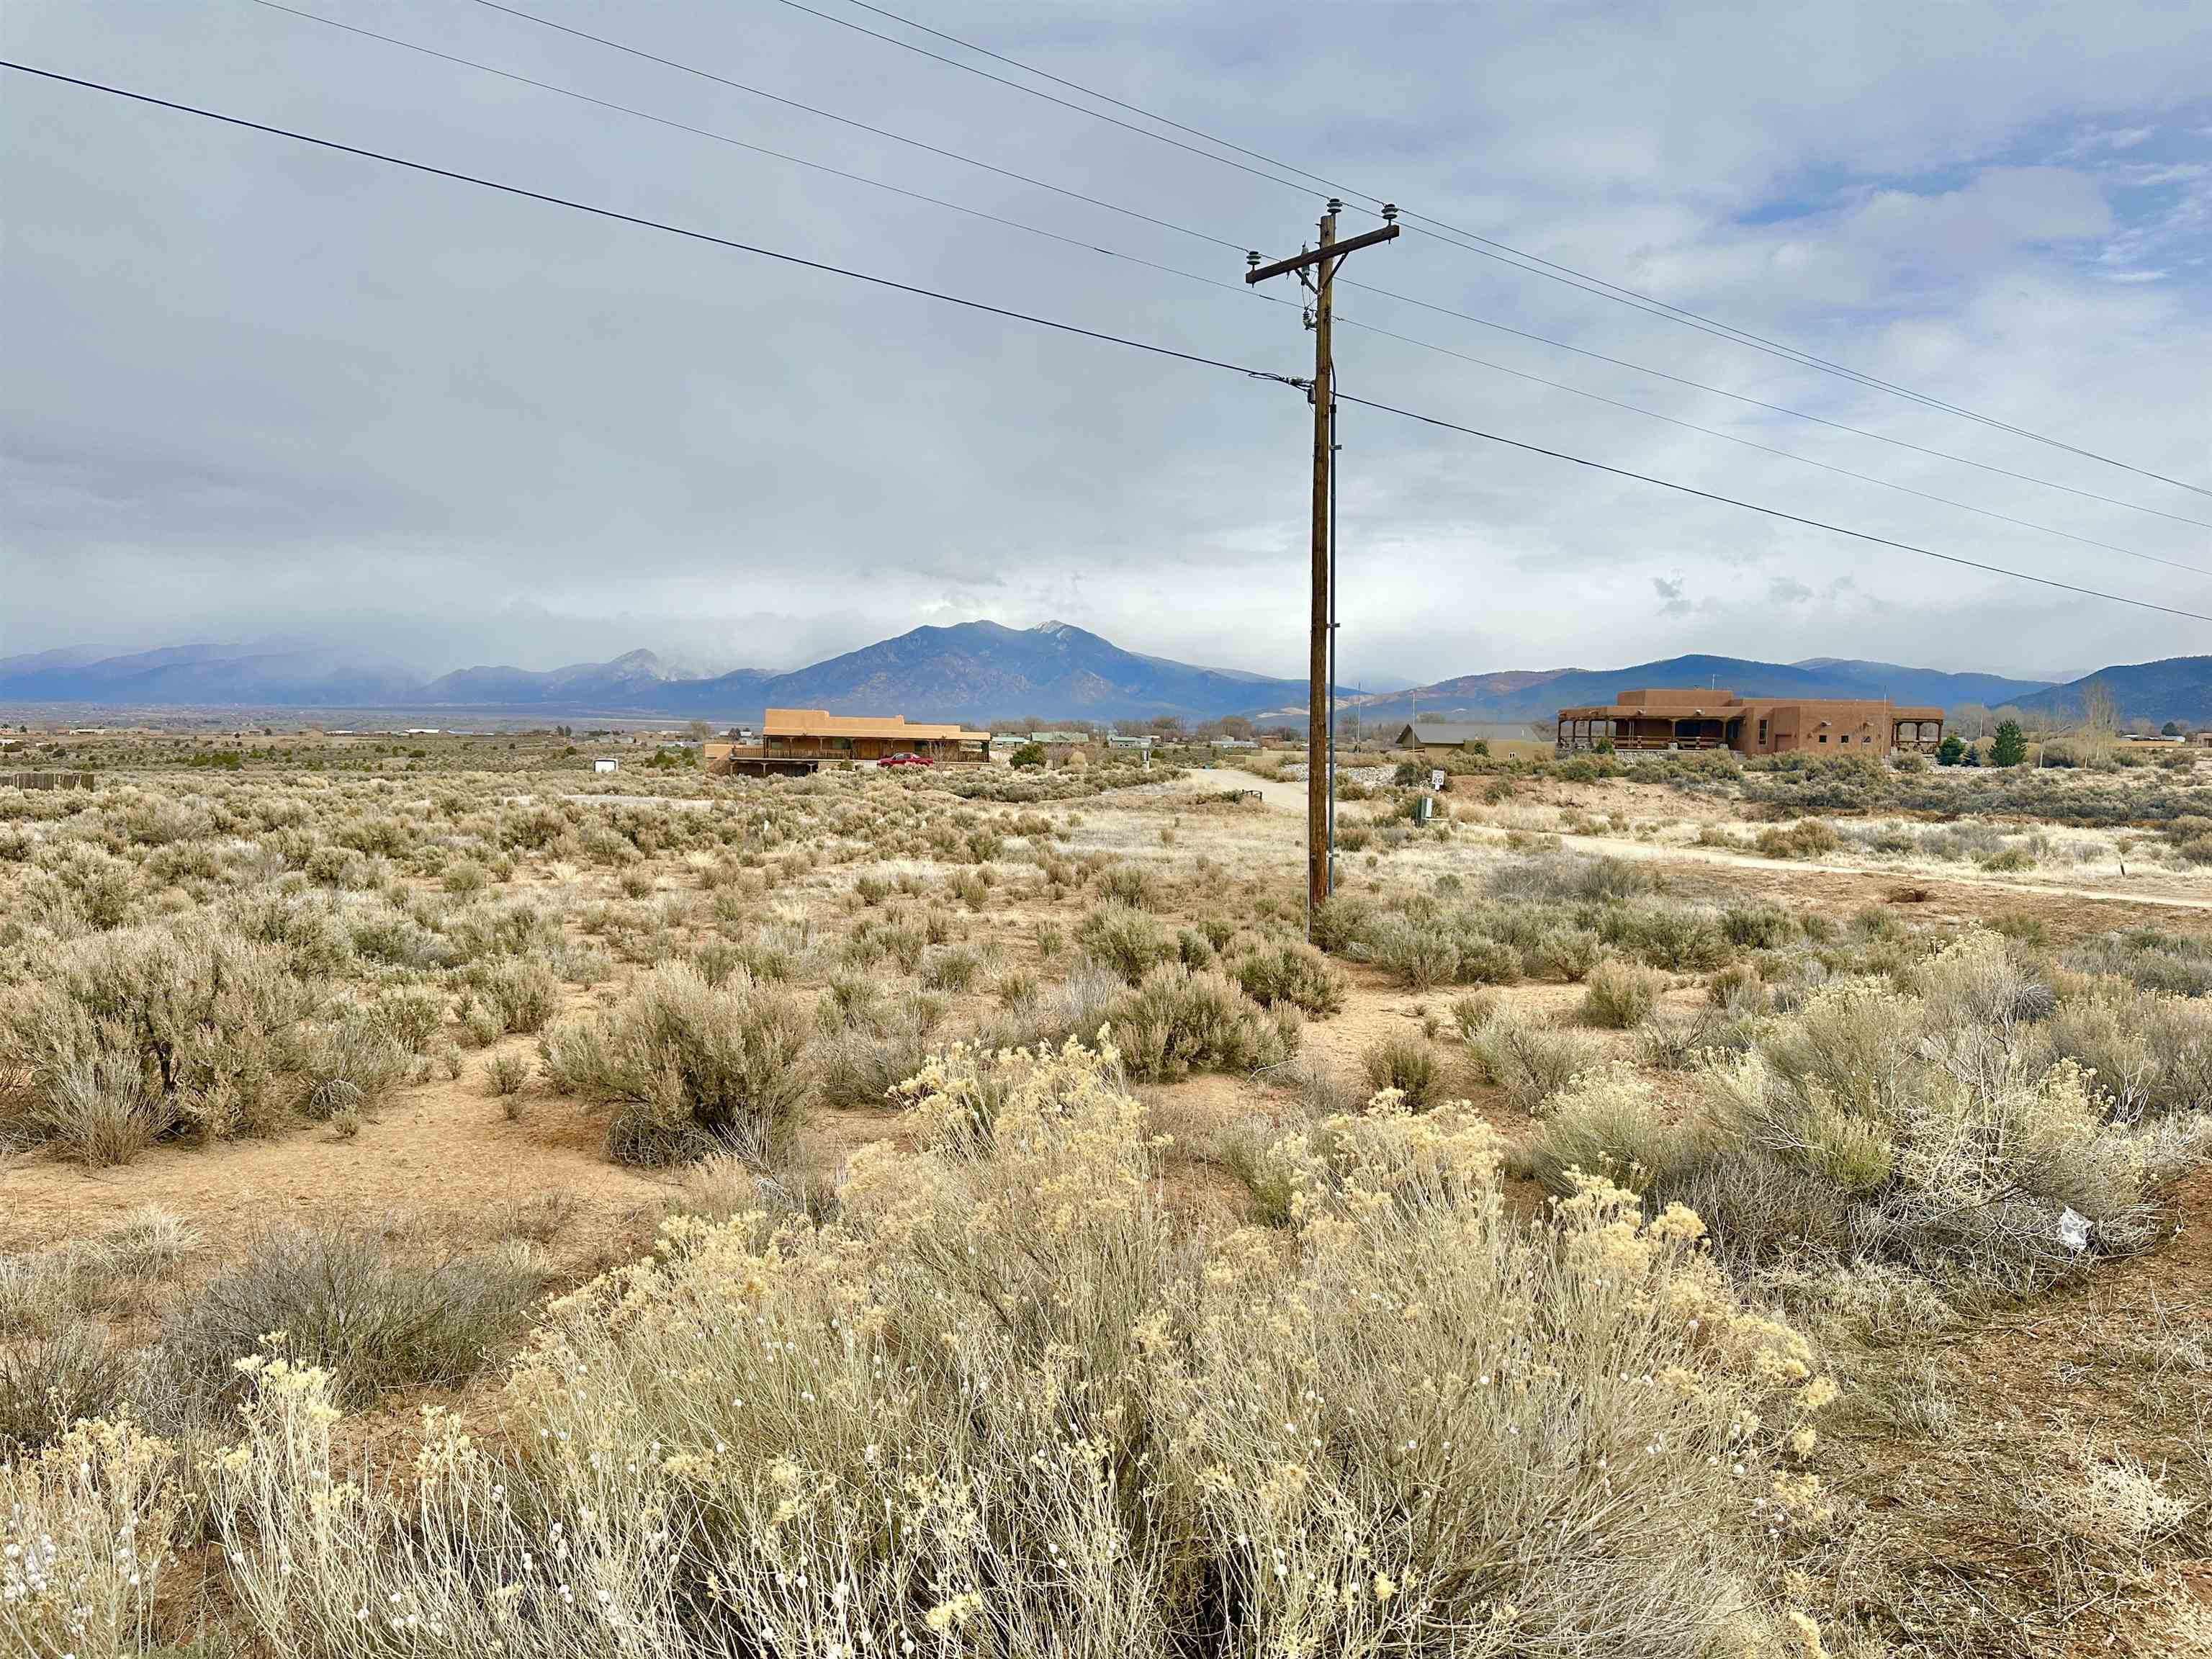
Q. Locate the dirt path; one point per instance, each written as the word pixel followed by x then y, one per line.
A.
pixel 444 1150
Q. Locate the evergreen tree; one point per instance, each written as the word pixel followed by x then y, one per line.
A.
pixel 2008 747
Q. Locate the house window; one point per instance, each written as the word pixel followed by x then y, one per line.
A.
pixel 1823 736
pixel 1762 730
pixel 1846 737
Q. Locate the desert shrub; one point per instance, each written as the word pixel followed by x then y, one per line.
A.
pixel 953 968
pixel 1737 988
pixel 1563 879
pixel 2150 959
pixel 1679 939
pixel 1808 838
pixel 1419 954
pixel 690 1067
pixel 1175 1022
pixel 2151 1055
pixel 88 1526
pixel 1132 884
pixel 1529 1062
pixel 209 1018
pixel 1194 948
pixel 377 1319
pixel 1568 953
pixel 349 1063
pixel 1932 1131
pixel 1619 995
pixel 1755 926
pixel 524 993
pixel 838 1476
pixel 1606 1125
pixel 1339 919
pixel 507 1074
pixel 53 1372
pixel 1126 939
pixel 95 1106
pixel 412 1015
pixel 465 876
pixel 860 1065
pixel 1434 948
pixel 1405 1063
pixel 1681 1045
pixel 1293 973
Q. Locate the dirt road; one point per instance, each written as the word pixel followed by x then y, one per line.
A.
pixel 1284 796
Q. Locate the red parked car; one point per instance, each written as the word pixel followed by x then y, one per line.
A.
pixel 906 760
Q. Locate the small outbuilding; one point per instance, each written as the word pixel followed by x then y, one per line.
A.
pixel 1438 738
pixel 606 766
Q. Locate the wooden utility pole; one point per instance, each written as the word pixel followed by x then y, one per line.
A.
pixel 1322 262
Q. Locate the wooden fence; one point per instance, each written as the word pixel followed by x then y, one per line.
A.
pixel 47 780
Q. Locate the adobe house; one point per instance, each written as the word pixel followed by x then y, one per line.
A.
pixel 800 740
pixel 1665 717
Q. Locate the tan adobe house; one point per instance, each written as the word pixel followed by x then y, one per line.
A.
pixel 1665 717
pixel 806 739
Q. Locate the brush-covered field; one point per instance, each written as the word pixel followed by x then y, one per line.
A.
pixel 453 1205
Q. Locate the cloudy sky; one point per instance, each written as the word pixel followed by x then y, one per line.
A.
pixel 251 388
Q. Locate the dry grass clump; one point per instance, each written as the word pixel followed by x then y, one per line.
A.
pixel 1530 1063
pixel 1621 995
pixel 1808 838
pixel 1003 1401
pixel 379 1318
pixel 692 1067
pixel 875 1045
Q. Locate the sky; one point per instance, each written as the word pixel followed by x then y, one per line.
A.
pixel 257 390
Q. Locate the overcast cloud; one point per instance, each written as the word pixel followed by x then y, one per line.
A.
pixel 251 388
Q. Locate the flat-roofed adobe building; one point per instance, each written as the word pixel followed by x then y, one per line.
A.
pixel 1665 717
pixel 807 739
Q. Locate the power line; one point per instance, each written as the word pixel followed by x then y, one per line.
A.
pixel 847 121
pixel 1095 115
pixel 1768 449
pixel 1778 409
pixel 774 155
pixel 1771 512
pixel 645 223
pixel 1207 236
pixel 1488 247
pixel 1193 276
pixel 1054 324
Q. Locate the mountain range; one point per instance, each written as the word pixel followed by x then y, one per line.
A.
pixel 981 671
pixel 976 670
pixel 1525 695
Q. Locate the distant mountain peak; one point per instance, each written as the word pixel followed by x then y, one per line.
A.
pixel 1058 630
